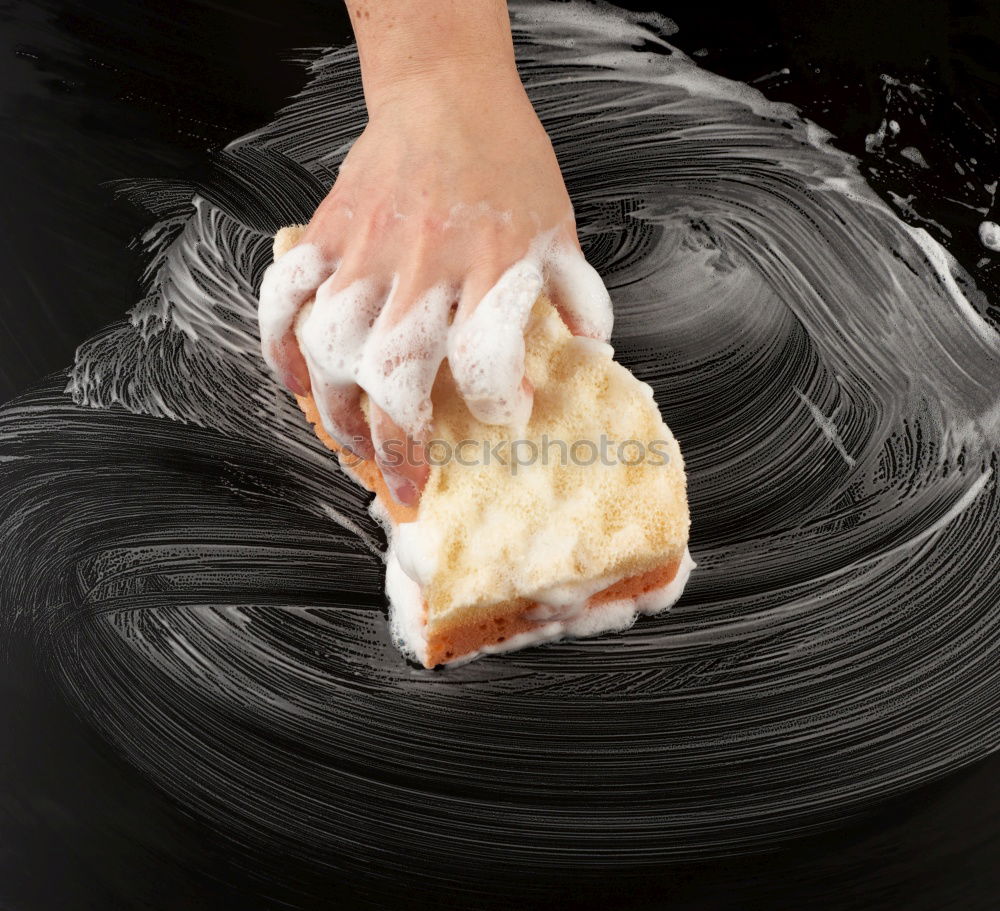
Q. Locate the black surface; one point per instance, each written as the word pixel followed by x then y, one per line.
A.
pixel 105 91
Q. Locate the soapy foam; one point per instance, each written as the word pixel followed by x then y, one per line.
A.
pixel 406 613
pixel 350 342
pixel 359 336
pixel 578 287
pixel 284 288
pixel 989 235
pixel 486 351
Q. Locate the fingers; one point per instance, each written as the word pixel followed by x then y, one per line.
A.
pixel 354 336
pixel 486 346
pixel 340 413
pixel 332 333
pixel 287 284
pixel 400 458
pixel 578 292
pixel 399 365
pixel 405 349
pixel 335 329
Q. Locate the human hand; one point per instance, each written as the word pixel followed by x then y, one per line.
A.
pixel 448 217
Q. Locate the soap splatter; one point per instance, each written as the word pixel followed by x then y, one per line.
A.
pixel 989 235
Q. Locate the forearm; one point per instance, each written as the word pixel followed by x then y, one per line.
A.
pixel 400 41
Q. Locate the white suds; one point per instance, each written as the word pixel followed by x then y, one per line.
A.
pixel 287 284
pixel 406 609
pixel 365 335
pixel 989 235
pixel 486 350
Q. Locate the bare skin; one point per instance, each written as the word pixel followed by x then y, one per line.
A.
pixel 448 186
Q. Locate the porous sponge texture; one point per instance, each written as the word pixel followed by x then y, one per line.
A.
pixel 504 532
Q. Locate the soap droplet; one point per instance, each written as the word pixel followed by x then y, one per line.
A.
pixel 989 235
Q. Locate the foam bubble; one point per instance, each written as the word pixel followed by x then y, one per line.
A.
pixel 989 235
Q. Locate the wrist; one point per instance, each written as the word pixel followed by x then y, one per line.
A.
pixel 458 79
pixel 407 48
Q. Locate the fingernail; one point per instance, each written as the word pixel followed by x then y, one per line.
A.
pixel 292 382
pixel 360 448
pixel 404 491
pixel 350 458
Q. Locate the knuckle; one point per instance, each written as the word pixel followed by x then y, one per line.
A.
pixel 490 262
pixel 492 235
pixel 486 264
pixel 421 252
pixel 367 231
pixel 429 223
